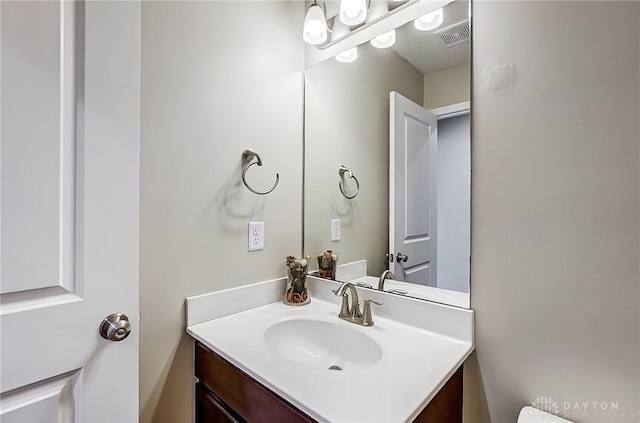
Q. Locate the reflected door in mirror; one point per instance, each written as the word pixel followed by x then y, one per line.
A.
pixel 412 190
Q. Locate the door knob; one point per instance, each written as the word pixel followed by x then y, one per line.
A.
pixel 401 257
pixel 115 327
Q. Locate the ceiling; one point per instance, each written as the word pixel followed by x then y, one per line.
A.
pixel 425 50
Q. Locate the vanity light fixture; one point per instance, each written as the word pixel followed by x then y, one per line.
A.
pixel 353 12
pixel 347 56
pixel 430 21
pixel 384 40
pixel 315 28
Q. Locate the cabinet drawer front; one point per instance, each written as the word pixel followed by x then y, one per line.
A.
pixel 252 401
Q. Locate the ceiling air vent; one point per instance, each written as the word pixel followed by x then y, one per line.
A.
pixel 455 34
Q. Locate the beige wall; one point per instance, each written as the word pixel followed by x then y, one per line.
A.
pixel 217 77
pixel 347 122
pixel 555 222
pixel 446 87
pixel 555 191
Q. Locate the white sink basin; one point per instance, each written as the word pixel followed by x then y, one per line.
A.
pixel 322 345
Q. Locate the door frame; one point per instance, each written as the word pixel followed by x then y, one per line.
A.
pixel 452 110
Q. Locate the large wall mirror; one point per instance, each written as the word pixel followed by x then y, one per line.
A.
pixel 387 160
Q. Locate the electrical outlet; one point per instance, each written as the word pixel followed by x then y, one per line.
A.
pixel 335 229
pixel 256 236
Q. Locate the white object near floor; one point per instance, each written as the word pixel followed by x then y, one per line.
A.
pixel 533 415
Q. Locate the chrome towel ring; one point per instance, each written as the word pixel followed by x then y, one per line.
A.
pixel 248 155
pixel 341 171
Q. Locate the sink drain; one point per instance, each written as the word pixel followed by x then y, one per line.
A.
pixel 334 367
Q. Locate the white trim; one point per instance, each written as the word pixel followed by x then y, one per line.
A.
pixel 452 110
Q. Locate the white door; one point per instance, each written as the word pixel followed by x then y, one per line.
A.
pixel 69 209
pixel 413 152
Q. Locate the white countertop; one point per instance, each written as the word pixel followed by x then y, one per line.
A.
pixel 416 362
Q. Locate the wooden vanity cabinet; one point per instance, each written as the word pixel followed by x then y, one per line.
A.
pixel 225 394
pixel 446 406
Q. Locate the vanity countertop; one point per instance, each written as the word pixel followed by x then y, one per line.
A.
pixel 414 364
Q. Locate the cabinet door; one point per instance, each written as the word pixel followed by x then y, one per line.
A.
pixel 208 410
pixel 446 406
pixel 242 394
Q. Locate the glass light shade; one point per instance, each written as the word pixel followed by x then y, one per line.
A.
pixel 384 40
pixel 348 55
pixel 314 30
pixel 353 12
pixel 430 21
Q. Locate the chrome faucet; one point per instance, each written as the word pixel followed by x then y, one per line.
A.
pixel 385 275
pixel 351 313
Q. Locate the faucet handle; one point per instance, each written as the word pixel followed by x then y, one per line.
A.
pixel 367 320
pixel 345 311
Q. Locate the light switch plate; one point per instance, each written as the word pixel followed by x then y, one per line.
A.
pixel 335 229
pixel 256 236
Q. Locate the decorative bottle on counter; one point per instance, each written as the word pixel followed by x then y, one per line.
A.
pixel 296 290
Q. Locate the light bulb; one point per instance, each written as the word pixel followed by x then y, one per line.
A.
pixel 314 30
pixel 384 40
pixel 353 12
pixel 347 56
pixel 430 21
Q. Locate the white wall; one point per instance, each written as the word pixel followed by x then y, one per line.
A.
pixel 448 86
pixel 555 222
pixel 454 203
pixel 347 122
pixel 217 77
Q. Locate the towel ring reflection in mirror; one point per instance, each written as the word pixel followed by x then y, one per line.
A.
pixel 248 155
pixel 341 171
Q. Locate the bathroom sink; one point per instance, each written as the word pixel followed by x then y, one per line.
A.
pixel 322 345
pixel 388 372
